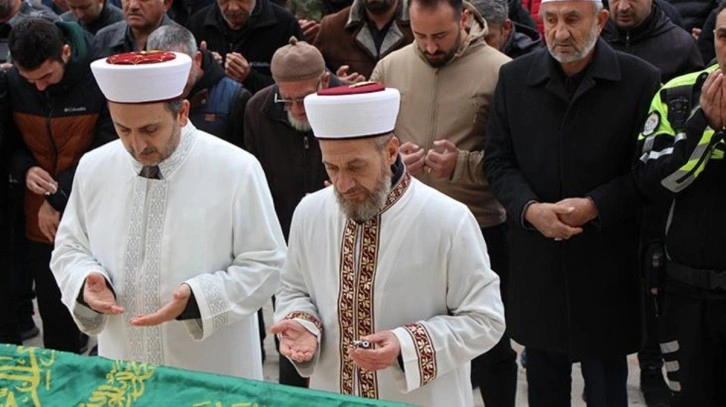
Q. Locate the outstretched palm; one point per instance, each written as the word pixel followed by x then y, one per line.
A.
pixel 296 342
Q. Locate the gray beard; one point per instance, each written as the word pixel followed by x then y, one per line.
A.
pixel 590 42
pixel 298 125
pixel 371 206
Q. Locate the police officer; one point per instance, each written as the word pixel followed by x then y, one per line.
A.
pixel 682 163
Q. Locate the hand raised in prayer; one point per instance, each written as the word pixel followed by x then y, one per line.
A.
pixel 713 99
pixel 48 221
pixel 545 217
pixel 39 181
pixel 413 157
pixel 584 210
pixel 215 54
pixel 440 161
pixel 343 75
pixel 168 312
pixel 99 296
pixel 236 67
pixel 310 29
pixel 296 342
pixel 377 357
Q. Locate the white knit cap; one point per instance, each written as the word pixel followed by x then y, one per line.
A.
pixel 355 111
pixel 142 77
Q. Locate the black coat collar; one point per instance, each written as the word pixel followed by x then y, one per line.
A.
pixel 604 65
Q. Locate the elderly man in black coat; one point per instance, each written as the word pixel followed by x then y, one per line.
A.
pixel 560 145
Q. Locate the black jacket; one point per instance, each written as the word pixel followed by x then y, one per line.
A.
pixel 109 14
pixel 218 103
pixel 694 12
pixel 522 41
pixel 290 158
pixel 268 28
pixel 579 297
pixel 116 38
pixel 54 128
pixel 658 41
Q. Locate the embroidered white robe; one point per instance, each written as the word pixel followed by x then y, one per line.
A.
pixel 420 268
pixel 209 222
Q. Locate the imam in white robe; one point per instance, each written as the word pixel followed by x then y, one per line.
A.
pixel 420 268
pixel 208 222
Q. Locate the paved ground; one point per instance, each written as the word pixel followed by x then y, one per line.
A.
pixel 634 395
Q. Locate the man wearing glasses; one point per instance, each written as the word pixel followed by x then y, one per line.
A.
pixel 277 132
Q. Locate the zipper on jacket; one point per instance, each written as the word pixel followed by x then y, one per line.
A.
pixel 434 112
pixel 49 130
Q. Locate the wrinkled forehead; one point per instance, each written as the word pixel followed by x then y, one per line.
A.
pixel 575 7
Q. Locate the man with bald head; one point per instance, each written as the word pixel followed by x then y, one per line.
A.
pixel 564 178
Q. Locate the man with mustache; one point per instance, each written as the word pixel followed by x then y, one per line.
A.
pixel 564 176
pixel 58 114
pixel 245 34
pixel 170 244
pixel 354 39
pixel 141 18
pixel 12 12
pixel 381 259
pixel 92 15
pixel 278 133
pixel 447 79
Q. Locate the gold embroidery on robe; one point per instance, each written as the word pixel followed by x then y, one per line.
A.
pixel 307 317
pixel 355 300
pixel 425 352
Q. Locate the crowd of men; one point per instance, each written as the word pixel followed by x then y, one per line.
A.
pixel 415 183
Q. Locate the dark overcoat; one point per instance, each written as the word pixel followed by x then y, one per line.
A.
pixel 579 297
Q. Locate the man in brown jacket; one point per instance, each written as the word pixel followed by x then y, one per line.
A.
pixel 354 39
pixel 59 114
pixel 447 80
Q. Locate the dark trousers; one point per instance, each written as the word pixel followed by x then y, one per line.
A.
pixel 693 341
pixel 59 330
pixel 495 372
pixel 650 358
pixel 9 332
pixel 18 262
pixel 549 380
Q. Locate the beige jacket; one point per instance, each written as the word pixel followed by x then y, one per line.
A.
pixel 453 103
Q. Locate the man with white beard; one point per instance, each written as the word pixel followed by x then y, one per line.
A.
pixel 387 291
pixel 560 146
pixel 277 132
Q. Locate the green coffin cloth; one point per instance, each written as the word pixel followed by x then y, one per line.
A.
pixel 41 377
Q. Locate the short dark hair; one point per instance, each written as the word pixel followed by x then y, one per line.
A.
pixel 457 5
pixel 174 106
pixel 721 7
pixel 34 41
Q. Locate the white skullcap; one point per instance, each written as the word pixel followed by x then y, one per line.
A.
pixel 587 1
pixel 360 110
pixel 142 77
